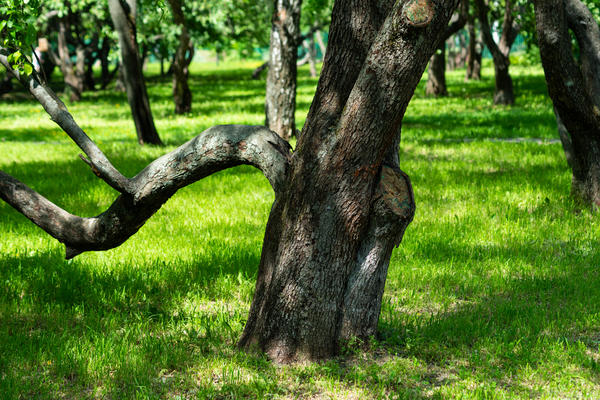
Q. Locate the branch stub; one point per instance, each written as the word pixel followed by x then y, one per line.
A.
pixel 418 13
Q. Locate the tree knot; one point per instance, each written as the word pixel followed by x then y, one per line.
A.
pixel 418 13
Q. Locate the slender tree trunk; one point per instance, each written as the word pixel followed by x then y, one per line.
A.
pixel 107 75
pixel 320 42
pixel 436 83
pixel 346 204
pixel 123 14
pixel 6 85
pixel 312 56
pixel 309 57
pixel 504 93
pixel 280 102
pixel 574 87
pixel 474 53
pixel 436 77
pixel 72 75
pixel 181 90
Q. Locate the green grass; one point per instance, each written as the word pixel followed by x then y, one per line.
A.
pixel 492 295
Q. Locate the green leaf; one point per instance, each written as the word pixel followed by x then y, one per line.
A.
pixel 27 69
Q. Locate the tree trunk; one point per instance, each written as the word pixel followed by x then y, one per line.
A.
pixel 6 85
pixel 312 56
pixel 320 42
pixel 346 204
pixel 280 102
pixel 181 90
pixel 73 77
pixel 504 93
pixel 474 53
pixel 123 14
pixel 436 83
pixel 436 76
pixel 574 87
pixel 107 75
pixel 341 201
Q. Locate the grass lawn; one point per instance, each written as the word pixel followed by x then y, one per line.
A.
pixel 494 293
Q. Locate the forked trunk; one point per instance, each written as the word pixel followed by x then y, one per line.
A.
pixel 504 93
pixel 436 77
pixel 346 203
pixel 280 102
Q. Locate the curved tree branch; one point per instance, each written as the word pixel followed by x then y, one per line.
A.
pixel 59 114
pixel 217 148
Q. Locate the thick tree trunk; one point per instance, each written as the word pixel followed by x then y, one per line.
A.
pixel 341 201
pixel 280 102
pixel 504 93
pixel 574 87
pixel 474 53
pixel 346 203
pixel 436 74
pixel 123 14
pixel 181 90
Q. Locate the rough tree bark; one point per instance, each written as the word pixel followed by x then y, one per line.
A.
pixel 123 14
pixel 346 204
pixel 217 148
pixel 181 90
pixel 280 101
pixel 436 74
pixel 504 92
pixel 341 205
pixel 474 52
pixel 574 87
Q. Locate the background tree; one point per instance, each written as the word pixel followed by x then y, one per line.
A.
pixel 574 86
pixel 123 14
pixel 474 49
pixel 504 93
pixel 316 15
pixel 341 205
pixel 436 76
pixel 183 57
pixel 280 102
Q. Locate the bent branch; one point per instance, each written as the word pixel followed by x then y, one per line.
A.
pixel 59 114
pixel 217 148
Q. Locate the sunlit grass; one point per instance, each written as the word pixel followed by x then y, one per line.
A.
pixel 493 294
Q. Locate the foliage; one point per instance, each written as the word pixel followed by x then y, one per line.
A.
pixel 492 295
pixel 17 31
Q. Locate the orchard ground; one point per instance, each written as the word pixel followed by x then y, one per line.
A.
pixel 493 293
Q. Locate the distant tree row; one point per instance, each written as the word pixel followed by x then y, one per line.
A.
pixel 121 35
